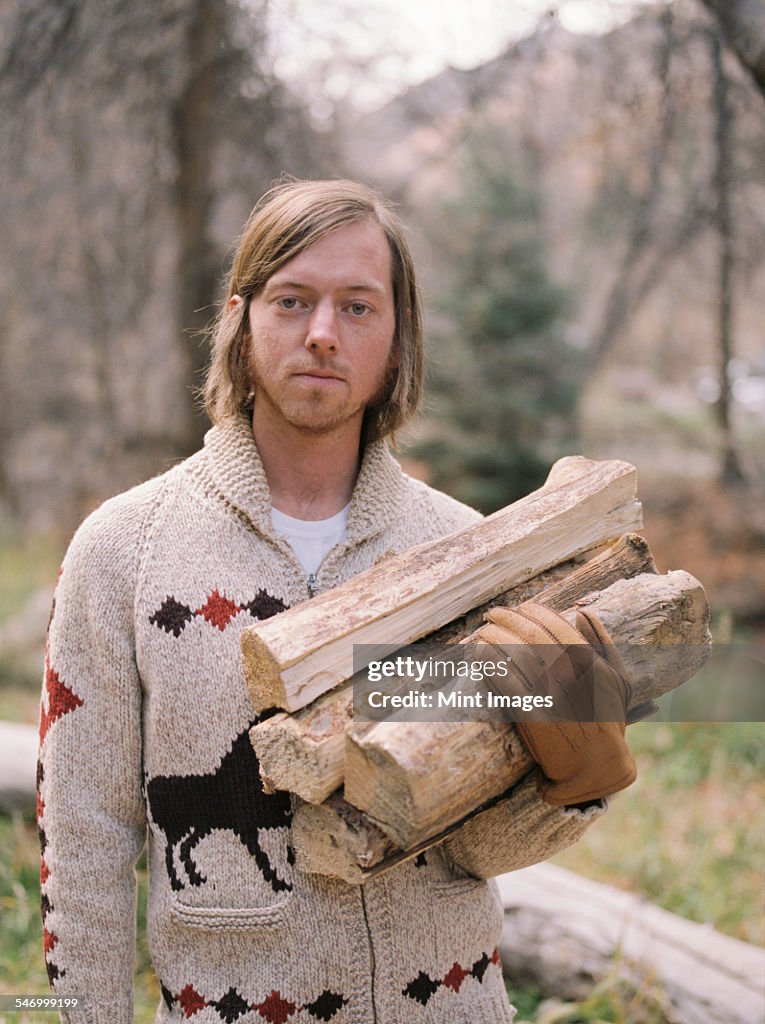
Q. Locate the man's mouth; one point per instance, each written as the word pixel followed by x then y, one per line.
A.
pixel 319 375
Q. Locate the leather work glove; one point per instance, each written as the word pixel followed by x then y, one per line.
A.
pixel 580 744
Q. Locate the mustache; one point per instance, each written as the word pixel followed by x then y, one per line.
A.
pixel 318 366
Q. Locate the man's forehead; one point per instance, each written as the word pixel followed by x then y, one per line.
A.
pixel 278 280
pixel 356 256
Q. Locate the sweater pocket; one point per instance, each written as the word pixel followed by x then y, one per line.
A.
pixel 212 919
pixel 222 881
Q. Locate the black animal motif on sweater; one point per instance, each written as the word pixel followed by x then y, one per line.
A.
pixel 189 807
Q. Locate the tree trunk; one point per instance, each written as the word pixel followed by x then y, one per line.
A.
pixel 195 119
pixel 730 470
pixel 743 25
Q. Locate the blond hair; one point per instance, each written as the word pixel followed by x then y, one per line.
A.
pixel 287 220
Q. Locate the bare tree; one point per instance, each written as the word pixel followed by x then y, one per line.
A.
pixel 631 286
pixel 137 135
pixel 742 23
pixel 197 120
pixel 730 470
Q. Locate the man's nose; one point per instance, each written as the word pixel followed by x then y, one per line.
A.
pixel 322 334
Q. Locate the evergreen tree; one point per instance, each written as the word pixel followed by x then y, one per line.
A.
pixel 503 385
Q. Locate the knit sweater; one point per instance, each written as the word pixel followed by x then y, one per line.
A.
pixel 143 732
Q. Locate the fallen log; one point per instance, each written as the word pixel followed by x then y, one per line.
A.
pixel 564 934
pixel 303 753
pixel 415 804
pixel 293 658
pixel 18 763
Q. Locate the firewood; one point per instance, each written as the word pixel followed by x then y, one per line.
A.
pixel 336 839
pixel 415 790
pixel 296 656
pixel 304 752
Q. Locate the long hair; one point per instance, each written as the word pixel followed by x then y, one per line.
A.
pixel 286 221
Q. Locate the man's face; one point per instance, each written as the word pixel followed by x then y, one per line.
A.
pixel 321 333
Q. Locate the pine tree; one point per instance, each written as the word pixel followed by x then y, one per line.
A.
pixel 503 387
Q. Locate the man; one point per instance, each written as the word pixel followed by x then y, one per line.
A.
pixel 317 358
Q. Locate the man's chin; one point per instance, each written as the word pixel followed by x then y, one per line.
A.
pixel 320 422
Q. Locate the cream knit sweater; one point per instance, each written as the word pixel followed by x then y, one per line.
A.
pixel 144 731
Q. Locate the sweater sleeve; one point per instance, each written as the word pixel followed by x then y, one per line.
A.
pixel 90 803
pixel 519 830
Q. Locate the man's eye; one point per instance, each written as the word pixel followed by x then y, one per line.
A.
pixel 358 308
pixel 288 302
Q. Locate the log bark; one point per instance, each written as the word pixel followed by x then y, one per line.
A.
pixel 413 778
pixel 304 753
pixel 564 934
pixel 293 658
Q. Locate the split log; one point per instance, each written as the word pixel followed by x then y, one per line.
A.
pixel 564 934
pixel 413 778
pixel 303 753
pixel 336 839
pixel 293 658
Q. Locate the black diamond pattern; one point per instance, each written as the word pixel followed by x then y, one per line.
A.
pixel 479 967
pixel 421 861
pixel 263 605
pixel 45 906
pixel 172 616
pixel 167 995
pixel 421 989
pixel 326 1006
pixel 231 1007
pixel 53 972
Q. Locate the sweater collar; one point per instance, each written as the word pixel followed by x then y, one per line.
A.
pixel 234 468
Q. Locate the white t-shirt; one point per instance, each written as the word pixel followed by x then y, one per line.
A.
pixel 311 539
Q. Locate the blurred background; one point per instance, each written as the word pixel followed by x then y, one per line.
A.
pixel 585 187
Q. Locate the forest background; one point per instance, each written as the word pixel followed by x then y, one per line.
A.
pixel 587 211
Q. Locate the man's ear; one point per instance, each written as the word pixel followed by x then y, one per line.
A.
pixel 236 306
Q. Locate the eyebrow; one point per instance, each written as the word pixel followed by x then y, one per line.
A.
pixel 360 286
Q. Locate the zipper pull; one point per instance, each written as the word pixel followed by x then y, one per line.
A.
pixel 312 588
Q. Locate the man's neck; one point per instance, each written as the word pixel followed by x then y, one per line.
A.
pixel 310 477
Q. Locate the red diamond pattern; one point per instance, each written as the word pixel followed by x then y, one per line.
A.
pixel 275 1009
pixel 49 940
pixel 422 988
pixel 61 700
pixel 191 1001
pixel 218 610
pixel 455 977
pixel 44 872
